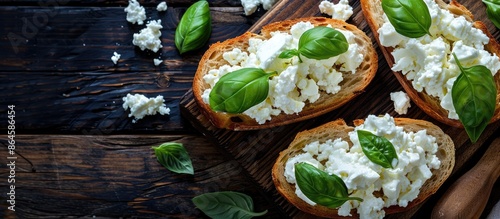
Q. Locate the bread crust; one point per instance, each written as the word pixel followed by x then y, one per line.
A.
pixel 339 129
pixel 430 105
pixel 351 86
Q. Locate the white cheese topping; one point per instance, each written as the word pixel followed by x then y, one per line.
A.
pixel 115 57
pixel 162 6
pixel 297 83
pixel 149 37
pixel 401 102
pixel 141 106
pixel 428 61
pixel 341 10
pixel 135 12
pixel 363 178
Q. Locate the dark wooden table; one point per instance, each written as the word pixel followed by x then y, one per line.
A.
pixel 79 154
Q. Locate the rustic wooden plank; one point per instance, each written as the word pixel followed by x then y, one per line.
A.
pixel 91 103
pixel 118 3
pixel 117 176
pixel 68 39
pixel 62 79
pixel 257 150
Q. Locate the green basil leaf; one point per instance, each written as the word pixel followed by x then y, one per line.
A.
pixel 493 11
pixel 474 98
pixel 194 28
pixel 174 157
pixel 410 18
pixel 239 90
pixel 320 187
pixel 289 53
pixel 378 149
pixel 226 204
pixel 322 43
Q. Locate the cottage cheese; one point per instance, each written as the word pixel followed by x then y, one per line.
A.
pixel 149 37
pixel 401 102
pixel 297 83
pixel 135 12
pixel 116 56
pixel 341 10
pixel 428 61
pixel 157 61
pixel 400 185
pixel 141 106
pixel 250 6
pixel 162 6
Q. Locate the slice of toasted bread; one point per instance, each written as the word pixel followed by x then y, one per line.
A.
pixel 373 13
pixel 339 129
pixel 351 86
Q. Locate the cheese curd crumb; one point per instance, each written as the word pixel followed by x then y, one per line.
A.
pixel 149 37
pixel 162 6
pixel 116 56
pixel 157 61
pixel 341 10
pixel 141 106
pixel 401 102
pixel 250 6
pixel 135 12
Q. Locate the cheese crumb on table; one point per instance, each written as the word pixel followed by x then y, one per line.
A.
pixel 141 106
pixel 401 102
pixel 157 61
pixel 115 57
pixel 162 6
pixel 341 11
pixel 135 12
pixel 149 37
pixel 250 6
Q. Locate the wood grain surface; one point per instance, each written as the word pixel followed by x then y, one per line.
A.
pixel 61 176
pixel 66 60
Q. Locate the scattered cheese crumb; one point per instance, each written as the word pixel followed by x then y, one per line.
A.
pixel 341 11
pixel 115 57
pixel 157 61
pixel 141 106
pixel 162 6
pixel 250 6
pixel 149 37
pixel 135 12
pixel 401 102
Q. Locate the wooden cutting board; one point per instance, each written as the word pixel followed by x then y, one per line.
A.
pixel 257 150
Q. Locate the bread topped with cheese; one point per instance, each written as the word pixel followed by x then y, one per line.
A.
pixel 430 90
pixel 309 96
pixel 322 146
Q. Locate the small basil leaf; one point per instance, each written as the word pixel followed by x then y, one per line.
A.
pixel 194 28
pixel 322 43
pixel 378 149
pixel 239 90
pixel 320 187
pixel 493 11
pixel 226 204
pixel 174 157
pixel 289 53
pixel 410 18
pixel 474 98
